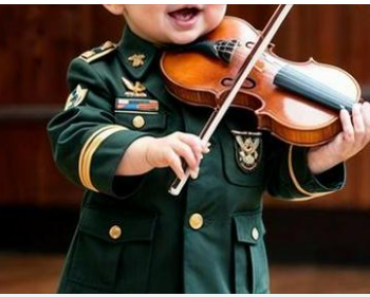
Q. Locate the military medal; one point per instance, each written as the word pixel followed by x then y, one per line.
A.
pixel 148 105
pixel 248 146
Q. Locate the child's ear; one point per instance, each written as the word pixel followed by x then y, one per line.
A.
pixel 116 9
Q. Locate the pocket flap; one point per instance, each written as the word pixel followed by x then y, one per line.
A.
pixel 113 227
pixel 145 121
pixel 249 227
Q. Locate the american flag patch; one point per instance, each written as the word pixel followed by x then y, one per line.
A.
pixel 137 104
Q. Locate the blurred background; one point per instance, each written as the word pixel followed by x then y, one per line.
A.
pixel 321 246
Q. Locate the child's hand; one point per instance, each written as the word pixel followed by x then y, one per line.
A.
pixel 347 144
pixel 169 151
pixel 147 153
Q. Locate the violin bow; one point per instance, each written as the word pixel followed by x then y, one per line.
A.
pixel 257 51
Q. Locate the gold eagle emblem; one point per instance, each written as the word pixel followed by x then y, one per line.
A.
pixel 136 89
pixel 248 149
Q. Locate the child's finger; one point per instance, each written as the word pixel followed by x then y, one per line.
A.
pixel 183 150
pixel 175 164
pixel 191 140
pixel 194 173
pixel 366 117
pixel 358 124
pixel 195 143
pixel 348 131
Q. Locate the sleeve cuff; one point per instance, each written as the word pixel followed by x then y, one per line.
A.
pixel 100 158
pixel 309 185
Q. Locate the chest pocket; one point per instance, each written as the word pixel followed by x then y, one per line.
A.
pixel 144 121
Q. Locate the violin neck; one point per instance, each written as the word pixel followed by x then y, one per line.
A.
pixel 297 82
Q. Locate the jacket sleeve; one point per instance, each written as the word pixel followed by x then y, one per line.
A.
pixel 86 143
pixel 290 177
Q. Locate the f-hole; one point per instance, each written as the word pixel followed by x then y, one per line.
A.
pixel 247 85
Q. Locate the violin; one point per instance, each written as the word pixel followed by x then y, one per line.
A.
pixel 297 102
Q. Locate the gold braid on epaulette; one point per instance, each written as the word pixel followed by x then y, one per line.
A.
pixel 99 52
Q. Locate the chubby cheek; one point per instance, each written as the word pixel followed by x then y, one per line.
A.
pixel 213 16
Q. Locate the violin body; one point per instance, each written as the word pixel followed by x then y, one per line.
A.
pixel 281 93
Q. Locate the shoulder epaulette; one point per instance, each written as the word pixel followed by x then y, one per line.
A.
pixel 98 52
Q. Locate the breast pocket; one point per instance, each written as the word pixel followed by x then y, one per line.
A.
pixel 250 259
pixel 243 158
pixel 144 121
pixel 112 252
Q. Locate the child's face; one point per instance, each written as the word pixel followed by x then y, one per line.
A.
pixel 171 23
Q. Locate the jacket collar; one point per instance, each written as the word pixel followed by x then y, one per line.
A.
pixel 136 53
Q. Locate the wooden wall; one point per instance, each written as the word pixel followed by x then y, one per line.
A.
pixel 37 43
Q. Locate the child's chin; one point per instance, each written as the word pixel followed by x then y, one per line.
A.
pixel 184 38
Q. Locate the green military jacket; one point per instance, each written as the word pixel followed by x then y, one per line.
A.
pixel 133 236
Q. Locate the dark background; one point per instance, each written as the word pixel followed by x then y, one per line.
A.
pixel 39 208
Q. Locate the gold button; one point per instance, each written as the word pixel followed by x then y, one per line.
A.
pixel 255 234
pixel 115 232
pixel 138 122
pixel 196 221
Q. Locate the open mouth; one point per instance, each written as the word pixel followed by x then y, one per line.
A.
pixel 185 17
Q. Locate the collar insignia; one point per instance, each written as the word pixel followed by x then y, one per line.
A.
pixel 137 60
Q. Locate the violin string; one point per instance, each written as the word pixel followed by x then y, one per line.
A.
pixel 330 92
pixel 327 91
pixel 241 56
pixel 336 99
